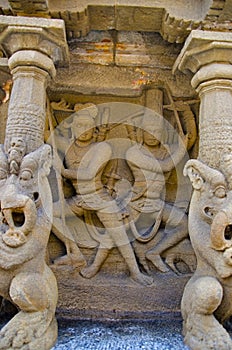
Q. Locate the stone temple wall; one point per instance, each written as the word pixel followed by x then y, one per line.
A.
pixel 102 107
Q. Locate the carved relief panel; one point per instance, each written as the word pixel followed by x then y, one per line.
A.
pixel 118 184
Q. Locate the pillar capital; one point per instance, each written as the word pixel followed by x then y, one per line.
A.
pixel 46 36
pixel 202 48
pixel 208 55
pixel 30 59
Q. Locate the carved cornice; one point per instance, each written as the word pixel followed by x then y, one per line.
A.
pixel 173 20
pixel 25 7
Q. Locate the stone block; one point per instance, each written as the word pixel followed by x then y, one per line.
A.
pixel 138 19
pixel 97 48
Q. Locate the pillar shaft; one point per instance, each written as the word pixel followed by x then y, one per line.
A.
pixel 215 124
pixel 34 46
pixel 27 107
pixel 208 56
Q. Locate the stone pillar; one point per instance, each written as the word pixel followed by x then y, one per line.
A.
pixel 34 46
pixel 27 107
pixel 208 56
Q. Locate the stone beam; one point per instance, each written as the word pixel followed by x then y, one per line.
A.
pixel 208 56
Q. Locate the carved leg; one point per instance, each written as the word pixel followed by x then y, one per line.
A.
pixel 117 238
pixel 175 230
pixel 140 250
pixel 121 241
pixel 74 257
pixel 169 260
pixel 154 255
pixel 135 274
pixel 117 232
pixel 99 259
pixel 129 258
pixel 34 327
pixel 140 255
pixel 201 329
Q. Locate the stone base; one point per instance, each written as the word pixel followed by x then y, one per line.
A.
pixel 117 297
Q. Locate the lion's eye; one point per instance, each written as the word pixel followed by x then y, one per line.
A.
pixel 210 212
pixel 220 192
pixel 26 175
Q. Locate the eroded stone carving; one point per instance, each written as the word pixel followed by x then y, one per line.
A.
pixel 149 161
pixel 25 224
pixel 119 190
pixel 85 162
pixel 207 296
pixel 26 200
pixel 206 54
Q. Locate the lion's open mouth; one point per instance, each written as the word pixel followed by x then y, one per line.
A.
pixel 18 218
pixel 228 232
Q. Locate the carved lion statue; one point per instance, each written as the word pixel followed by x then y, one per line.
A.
pixel 25 224
pixel 207 298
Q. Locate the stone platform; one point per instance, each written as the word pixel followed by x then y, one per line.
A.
pixel 117 296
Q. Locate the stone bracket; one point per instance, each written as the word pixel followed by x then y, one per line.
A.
pixel 41 34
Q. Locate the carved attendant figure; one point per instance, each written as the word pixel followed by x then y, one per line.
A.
pixel 85 161
pixel 149 161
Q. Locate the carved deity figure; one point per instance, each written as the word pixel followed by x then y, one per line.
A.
pixel 150 162
pixel 85 161
pixel 25 224
pixel 207 298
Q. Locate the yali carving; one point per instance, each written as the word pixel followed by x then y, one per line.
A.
pixel 206 302
pixel 25 224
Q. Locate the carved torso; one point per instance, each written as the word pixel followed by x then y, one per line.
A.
pixel 91 192
pixel 148 184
